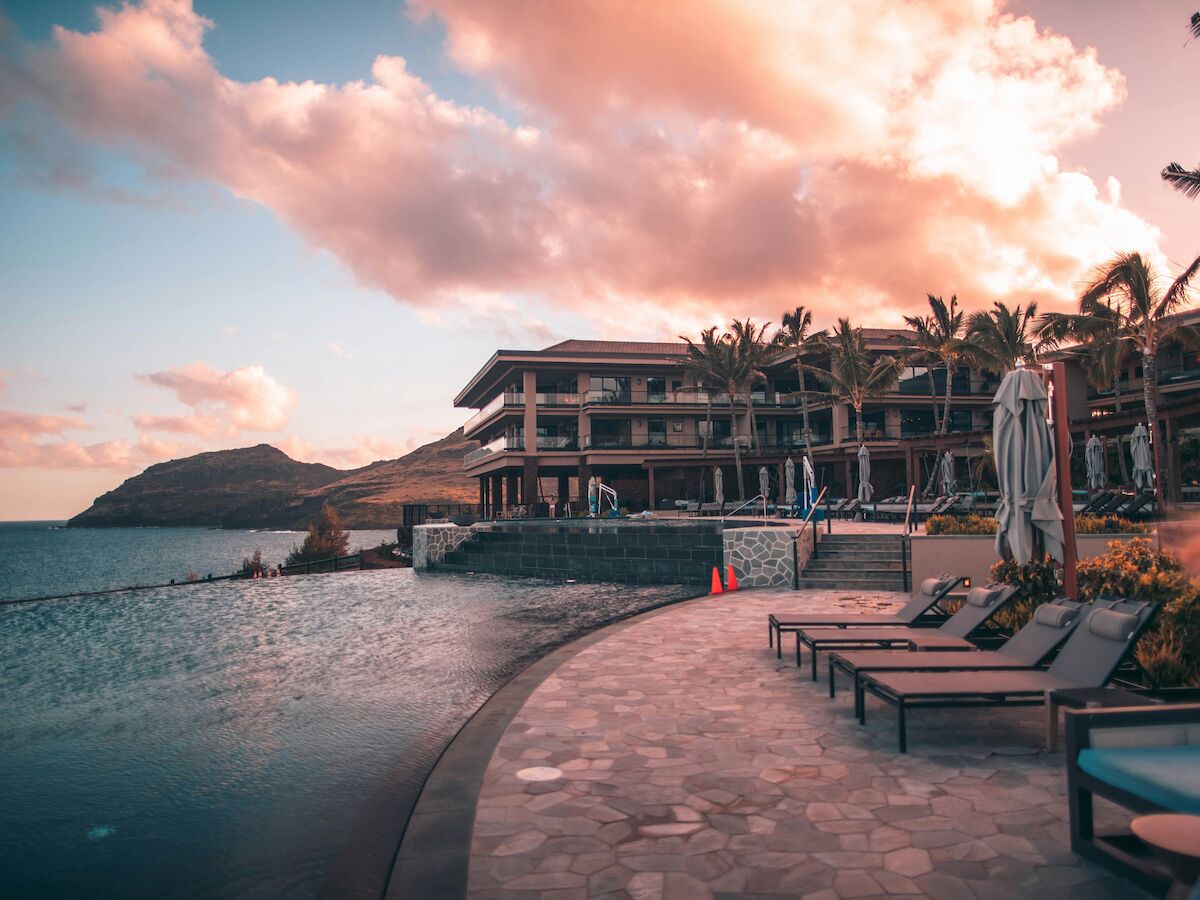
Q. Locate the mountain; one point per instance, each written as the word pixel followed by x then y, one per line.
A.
pixel 263 487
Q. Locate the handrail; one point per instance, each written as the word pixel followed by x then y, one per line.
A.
pixel 912 489
pixel 753 499
pixel 800 531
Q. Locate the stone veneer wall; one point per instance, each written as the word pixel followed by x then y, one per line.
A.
pixel 682 552
pixel 431 543
pixel 762 557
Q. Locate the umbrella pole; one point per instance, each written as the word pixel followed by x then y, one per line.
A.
pixel 1062 461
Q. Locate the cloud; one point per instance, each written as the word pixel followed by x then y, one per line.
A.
pixel 366 449
pixel 336 348
pixel 79 408
pixel 666 170
pixel 32 440
pixel 228 403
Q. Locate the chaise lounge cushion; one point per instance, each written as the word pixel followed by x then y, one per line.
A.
pixel 931 587
pixel 1168 777
pixel 1055 616
pixel 1116 626
pixel 985 596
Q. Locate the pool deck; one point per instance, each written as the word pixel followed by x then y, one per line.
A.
pixel 691 763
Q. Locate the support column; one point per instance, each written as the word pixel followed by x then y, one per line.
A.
pixel 510 489
pixel 483 497
pixel 529 482
pixel 846 468
pixel 910 477
pixel 1174 463
pixel 497 502
pixel 585 472
pixel 650 476
pixel 564 489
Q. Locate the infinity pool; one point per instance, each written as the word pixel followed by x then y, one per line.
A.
pixel 237 739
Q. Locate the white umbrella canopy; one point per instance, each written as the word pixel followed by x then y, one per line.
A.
pixel 1024 453
pixel 1093 457
pixel 1143 465
pixel 949 482
pixel 718 486
pixel 764 482
pixel 789 482
pixel 865 491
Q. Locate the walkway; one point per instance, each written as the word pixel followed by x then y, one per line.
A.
pixel 684 761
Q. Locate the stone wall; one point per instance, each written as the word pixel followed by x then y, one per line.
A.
pixel 431 543
pixel 762 557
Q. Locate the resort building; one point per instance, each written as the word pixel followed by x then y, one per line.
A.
pixel 630 413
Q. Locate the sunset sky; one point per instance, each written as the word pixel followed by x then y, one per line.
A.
pixel 308 223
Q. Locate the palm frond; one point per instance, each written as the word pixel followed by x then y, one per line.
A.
pixel 1186 181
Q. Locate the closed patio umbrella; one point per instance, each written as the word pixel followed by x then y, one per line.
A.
pixel 864 475
pixel 1143 467
pixel 1093 457
pixel 1024 452
pixel 718 487
pixel 949 482
pixel 764 482
pixel 789 482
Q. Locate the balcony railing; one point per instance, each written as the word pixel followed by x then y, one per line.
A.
pixel 901 432
pixel 557 442
pixel 555 398
pixel 671 442
pixel 1169 377
pixel 497 403
pixel 499 445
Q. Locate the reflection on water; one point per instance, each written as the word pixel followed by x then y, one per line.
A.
pixel 221 740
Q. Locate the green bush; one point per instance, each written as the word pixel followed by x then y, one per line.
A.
pixel 969 524
pixel 1169 652
pixel 325 539
pixel 1039 581
pixel 1109 525
pixel 973 524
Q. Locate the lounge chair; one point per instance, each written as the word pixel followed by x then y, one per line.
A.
pixel 1098 645
pixel 1118 500
pixel 1051 624
pixel 1136 505
pixel 917 611
pixel 1099 500
pixel 1146 759
pixel 982 603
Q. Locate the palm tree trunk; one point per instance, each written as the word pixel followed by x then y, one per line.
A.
pixel 933 396
pixel 707 419
pixel 753 420
pixel 737 449
pixel 804 408
pixel 1124 466
pixel 949 393
pixel 1117 392
pixel 858 424
pixel 1150 394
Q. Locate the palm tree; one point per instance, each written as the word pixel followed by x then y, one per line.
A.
pixel 753 349
pixel 949 348
pixel 1128 288
pixel 1186 181
pixel 796 336
pixel 854 377
pixel 1003 337
pixel 920 350
pixel 699 365
pixel 729 370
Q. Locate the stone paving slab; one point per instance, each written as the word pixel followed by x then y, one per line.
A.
pixel 678 759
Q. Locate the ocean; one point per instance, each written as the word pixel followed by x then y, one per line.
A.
pixel 41 559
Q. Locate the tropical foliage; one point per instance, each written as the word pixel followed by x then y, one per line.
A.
pixel 796 335
pixel 972 524
pixel 1186 181
pixel 1003 337
pixel 325 539
pixel 855 375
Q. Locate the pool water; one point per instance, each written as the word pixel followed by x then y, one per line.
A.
pixel 231 739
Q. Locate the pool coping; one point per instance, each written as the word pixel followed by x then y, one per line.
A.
pixel 433 859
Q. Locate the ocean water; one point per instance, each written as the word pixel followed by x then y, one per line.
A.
pixel 42 559
pixel 243 738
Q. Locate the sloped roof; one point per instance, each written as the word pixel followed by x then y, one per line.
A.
pixel 618 347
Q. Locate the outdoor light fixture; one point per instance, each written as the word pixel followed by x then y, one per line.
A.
pixel 967 582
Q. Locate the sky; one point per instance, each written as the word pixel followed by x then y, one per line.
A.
pixel 308 223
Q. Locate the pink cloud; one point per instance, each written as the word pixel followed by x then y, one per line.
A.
pixel 366 449
pixel 223 402
pixel 31 440
pixel 669 169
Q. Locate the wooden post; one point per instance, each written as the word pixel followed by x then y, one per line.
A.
pixel 1062 461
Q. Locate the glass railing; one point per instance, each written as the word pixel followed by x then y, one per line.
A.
pixel 608 396
pixel 557 442
pixel 555 398
pixel 497 403
pixel 499 445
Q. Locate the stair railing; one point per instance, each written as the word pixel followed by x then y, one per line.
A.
pixel 912 489
pixel 749 502
pixel 800 533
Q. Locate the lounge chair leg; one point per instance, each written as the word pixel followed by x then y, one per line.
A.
pixel 797 649
pixel 901 726
pixel 860 701
pixel 770 635
pixel 813 651
pixel 831 687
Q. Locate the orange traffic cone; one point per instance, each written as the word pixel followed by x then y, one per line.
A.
pixel 716 582
pixel 731 580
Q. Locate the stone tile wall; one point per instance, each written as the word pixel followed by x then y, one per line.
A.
pixel 431 543
pixel 761 557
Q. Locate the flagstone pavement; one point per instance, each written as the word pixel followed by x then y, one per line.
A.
pixel 683 760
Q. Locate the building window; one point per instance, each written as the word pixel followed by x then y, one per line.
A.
pixel 656 390
pixel 611 389
pixel 656 432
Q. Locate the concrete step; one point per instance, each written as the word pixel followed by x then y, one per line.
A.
pixel 826 552
pixel 825 566
pixel 843 583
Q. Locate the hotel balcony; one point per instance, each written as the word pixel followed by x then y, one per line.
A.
pixel 507 400
pixel 499 445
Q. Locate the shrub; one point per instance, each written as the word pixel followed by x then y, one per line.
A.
pixel 1109 525
pixel 1039 582
pixel 325 539
pixel 252 565
pixel 969 524
pixel 1169 652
